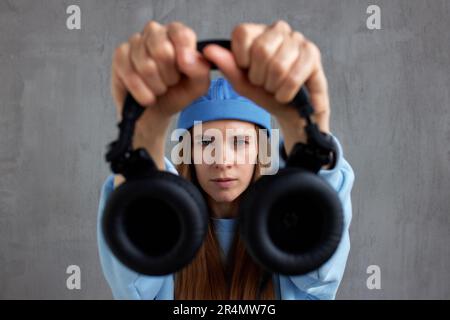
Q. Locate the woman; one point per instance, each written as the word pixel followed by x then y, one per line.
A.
pixel 265 69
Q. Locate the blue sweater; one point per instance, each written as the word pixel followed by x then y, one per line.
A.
pixel 318 284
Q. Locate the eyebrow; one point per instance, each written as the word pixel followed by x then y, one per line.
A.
pixel 235 135
pixel 200 136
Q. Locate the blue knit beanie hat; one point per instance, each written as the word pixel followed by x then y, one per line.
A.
pixel 220 103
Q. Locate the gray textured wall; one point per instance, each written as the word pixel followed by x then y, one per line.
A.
pixel 390 110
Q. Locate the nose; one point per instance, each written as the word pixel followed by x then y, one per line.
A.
pixel 225 156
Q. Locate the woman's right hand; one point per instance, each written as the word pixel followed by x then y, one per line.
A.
pixel 162 70
pixel 154 67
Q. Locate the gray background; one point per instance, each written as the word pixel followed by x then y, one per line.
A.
pixel 390 110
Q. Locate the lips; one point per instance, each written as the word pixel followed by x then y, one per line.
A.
pixel 224 183
pixel 223 179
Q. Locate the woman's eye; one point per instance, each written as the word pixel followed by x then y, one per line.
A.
pixel 240 142
pixel 205 142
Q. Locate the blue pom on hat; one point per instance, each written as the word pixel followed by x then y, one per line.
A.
pixel 220 103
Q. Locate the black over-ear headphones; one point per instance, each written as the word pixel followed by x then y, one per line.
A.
pixel 156 221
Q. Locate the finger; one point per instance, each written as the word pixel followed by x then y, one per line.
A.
pixel 161 50
pixel 242 38
pixel 279 67
pixel 225 62
pixel 119 92
pixel 146 66
pixel 193 64
pixel 188 59
pixel 317 86
pixel 263 49
pixel 302 69
pixel 130 78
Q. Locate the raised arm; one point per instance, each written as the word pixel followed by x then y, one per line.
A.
pixel 161 68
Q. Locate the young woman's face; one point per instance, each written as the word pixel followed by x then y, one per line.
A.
pixel 234 158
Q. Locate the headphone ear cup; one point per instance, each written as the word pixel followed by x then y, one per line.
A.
pixel 291 222
pixel 155 225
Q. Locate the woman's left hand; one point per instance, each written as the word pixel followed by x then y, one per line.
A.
pixel 269 64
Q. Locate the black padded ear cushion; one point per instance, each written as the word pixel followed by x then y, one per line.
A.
pixel 155 225
pixel 291 222
pixel 188 186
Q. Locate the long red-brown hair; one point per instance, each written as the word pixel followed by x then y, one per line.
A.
pixel 206 277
